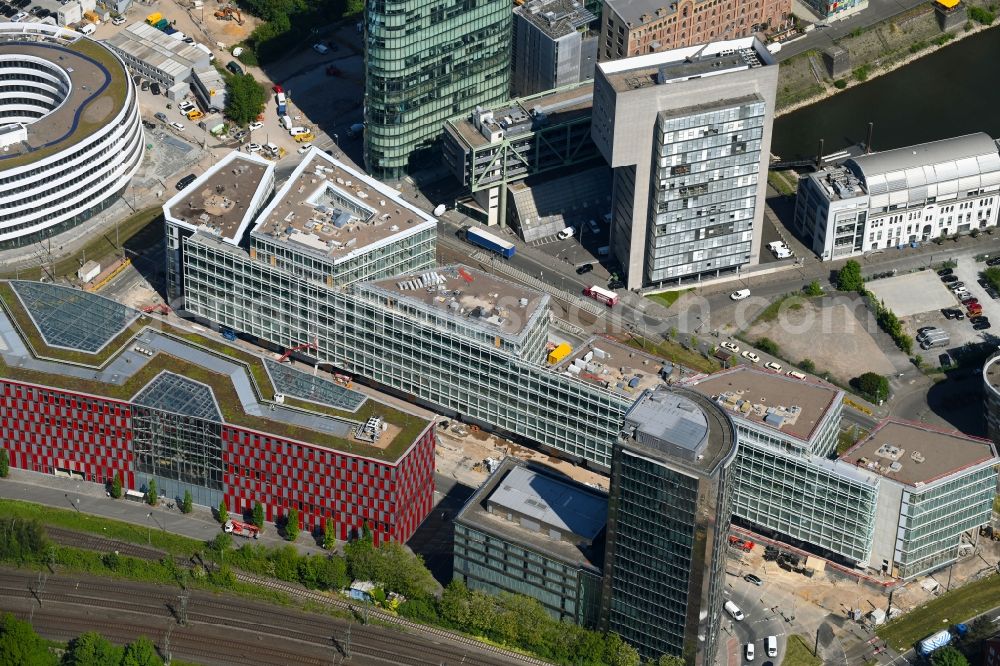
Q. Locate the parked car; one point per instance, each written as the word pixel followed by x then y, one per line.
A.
pixel 735 348
pixel 949 278
pixel 277 88
pixel 924 329
pixel 159 115
pixel 750 356
pixel 945 271
pixel 952 313
pixel 982 326
pixel 955 286
pixel 304 148
pixel 616 283
pixel 944 360
pixel 144 85
pixel 253 127
pixel 154 88
pixel 969 301
pixel 234 67
pixel 177 126
pixel 566 233
pixel 772 646
pixel 253 148
pixel 995 261
pixel 992 293
pixel 750 578
pixel 320 49
pixel 771 365
pixel 740 295
pixel 749 651
pixel 978 318
pixel 586 268
pixel 185 181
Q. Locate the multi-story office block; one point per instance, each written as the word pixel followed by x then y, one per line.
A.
pixel 426 62
pixel 555 44
pixel 70 135
pixel 493 147
pixel 156 56
pixel 783 483
pixel 222 201
pixel 934 487
pixel 901 196
pixel 529 531
pixel 669 509
pixel 90 389
pixel 688 135
pixel 639 27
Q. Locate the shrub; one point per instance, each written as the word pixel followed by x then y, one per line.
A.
pixel 840 84
pixel 187 505
pixel 223 512
pixel 768 346
pixel 151 493
pixel 981 15
pixel 4 463
pixel 813 289
pixel 861 73
pixel 116 486
pixel 248 57
pixel 849 277
pixel 807 365
pixel 292 524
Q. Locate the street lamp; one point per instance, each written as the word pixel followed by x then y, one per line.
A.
pixel 149 538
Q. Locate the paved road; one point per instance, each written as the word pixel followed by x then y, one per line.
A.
pixel 877 11
pixel 212 628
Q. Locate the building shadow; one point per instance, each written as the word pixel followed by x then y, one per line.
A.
pixel 434 540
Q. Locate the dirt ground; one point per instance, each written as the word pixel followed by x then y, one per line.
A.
pixel 830 335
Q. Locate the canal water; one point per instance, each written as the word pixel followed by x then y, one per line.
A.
pixel 953 91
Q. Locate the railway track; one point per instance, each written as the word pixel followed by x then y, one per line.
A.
pixel 218 626
pixel 102 544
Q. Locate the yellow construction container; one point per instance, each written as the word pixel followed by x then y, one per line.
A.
pixel 948 4
pixel 92 17
pixel 559 353
pixel 303 138
pixel 153 18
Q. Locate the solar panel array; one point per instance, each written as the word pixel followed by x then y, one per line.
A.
pixel 180 395
pixel 71 318
pixel 294 382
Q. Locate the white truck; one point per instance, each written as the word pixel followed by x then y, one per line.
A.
pixel 286 122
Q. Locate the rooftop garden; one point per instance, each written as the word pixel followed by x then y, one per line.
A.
pixel 222 386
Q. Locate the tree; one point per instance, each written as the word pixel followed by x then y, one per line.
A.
pixel 768 346
pixel 188 504
pixel 116 486
pixel 807 365
pixel 151 492
pixel 329 535
pixel 91 649
pixel 246 99
pixel 19 644
pixel 619 653
pixel 258 515
pixel 141 652
pixel 670 660
pixel 292 524
pixel 873 385
pixel 812 289
pixel 4 463
pixel 849 277
pixel 949 656
pixel 223 513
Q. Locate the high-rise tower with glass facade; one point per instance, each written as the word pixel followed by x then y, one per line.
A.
pixel 669 509
pixel 427 61
pixel 688 134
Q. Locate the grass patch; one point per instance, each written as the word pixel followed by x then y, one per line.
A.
pixel 792 301
pixel 147 221
pixel 676 353
pixel 779 182
pixel 668 298
pixel 105 527
pixel 799 653
pixel 848 438
pixel 958 605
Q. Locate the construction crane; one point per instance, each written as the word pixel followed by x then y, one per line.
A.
pixel 292 350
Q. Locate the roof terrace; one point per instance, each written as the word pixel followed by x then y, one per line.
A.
pixel 328 208
pixel 625 370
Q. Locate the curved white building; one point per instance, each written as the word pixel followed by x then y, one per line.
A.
pixel 70 131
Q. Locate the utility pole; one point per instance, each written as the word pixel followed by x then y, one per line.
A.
pixel 816 646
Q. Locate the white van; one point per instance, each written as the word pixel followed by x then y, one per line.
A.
pixel 295 131
pixel 566 233
pixel 772 646
pixel 286 122
pixel 280 98
pixel 794 374
pixel 734 610
pixel 749 651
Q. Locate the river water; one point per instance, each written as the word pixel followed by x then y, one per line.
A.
pixel 953 91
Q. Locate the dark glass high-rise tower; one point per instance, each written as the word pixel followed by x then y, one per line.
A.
pixel 668 514
pixel 427 61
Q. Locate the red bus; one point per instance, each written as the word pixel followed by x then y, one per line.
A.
pixel 605 296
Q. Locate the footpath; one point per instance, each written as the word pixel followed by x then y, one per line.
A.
pixel 91 498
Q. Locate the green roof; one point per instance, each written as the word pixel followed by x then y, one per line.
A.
pixel 410 425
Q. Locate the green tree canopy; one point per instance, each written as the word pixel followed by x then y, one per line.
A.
pixel 329 535
pixel 188 504
pixel 245 99
pixel 141 652
pixel 292 524
pixel 873 385
pixel 151 492
pixel 116 486
pixel 223 513
pixel 19 644
pixel 812 289
pixel 258 515
pixel 91 649
pixel 949 656
pixel 849 277
pixel 4 463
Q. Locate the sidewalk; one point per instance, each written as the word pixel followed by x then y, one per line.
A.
pixel 90 498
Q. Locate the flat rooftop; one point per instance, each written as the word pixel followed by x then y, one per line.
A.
pixel 639 12
pixel 791 406
pixel 97 91
pixel 469 295
pixel 336 212
pixel 149 362
pixel 692 62
pixel 624 370
pixel 577 512
pixel 679 426
pixel 157 49
pixel 838 183
pixel 556 18
pixel 224 199
pixel 915 454
pixel 524 115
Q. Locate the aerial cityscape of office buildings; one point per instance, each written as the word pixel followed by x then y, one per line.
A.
pixel 309 333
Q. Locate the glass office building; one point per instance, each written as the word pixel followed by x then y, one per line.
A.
pixel 426 62
pixel 668 515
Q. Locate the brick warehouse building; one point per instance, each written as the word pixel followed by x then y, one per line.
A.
pixel 145 401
